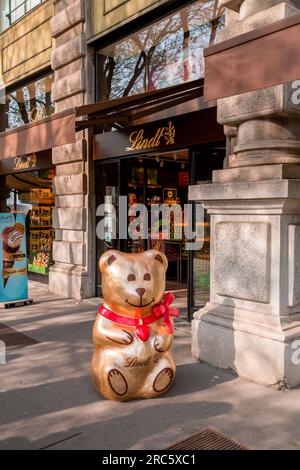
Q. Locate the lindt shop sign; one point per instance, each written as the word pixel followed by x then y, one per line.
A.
pixel 139 141
pixel 177 132
pixel 24 163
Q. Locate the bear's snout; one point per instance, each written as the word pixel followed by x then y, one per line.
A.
pixel 140 291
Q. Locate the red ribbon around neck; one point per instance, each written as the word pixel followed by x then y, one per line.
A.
pixel 142 330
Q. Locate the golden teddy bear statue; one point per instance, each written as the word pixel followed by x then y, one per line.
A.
pixel 133 332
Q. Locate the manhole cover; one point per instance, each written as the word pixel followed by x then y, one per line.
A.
pixel 13 339
pixel 208 440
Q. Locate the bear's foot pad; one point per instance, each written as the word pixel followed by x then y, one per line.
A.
pixel 163 380
pixel 117 382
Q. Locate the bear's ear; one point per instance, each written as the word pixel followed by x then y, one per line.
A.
pixel 158 256
pixel 107 259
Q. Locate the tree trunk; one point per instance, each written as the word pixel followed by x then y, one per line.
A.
pixel 186 45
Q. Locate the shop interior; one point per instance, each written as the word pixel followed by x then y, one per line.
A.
pixel 31 192
pixel 163 178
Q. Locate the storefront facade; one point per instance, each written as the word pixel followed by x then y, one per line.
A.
pixel 37 115
pixel 125 69
pixel 161 174
pixel 157 142
pixel 27 178
pixel 29 126
pixel 29 182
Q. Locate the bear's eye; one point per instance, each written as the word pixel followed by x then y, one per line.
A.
pixel 147 277
pixel 131 277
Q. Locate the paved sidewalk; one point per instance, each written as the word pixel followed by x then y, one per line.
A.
pixel 46 399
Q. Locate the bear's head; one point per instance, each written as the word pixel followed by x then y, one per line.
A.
pixel 133 283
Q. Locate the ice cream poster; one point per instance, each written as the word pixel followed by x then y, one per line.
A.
pixel 13 258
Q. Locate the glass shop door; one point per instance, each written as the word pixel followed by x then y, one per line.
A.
pixel 198 261
pixel 107 188
pixel 203 162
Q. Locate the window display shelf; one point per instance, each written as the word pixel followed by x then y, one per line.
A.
pixel 44 202
pixel 38 269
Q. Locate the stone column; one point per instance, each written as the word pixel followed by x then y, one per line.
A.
pixel 73 250
pixel 252 323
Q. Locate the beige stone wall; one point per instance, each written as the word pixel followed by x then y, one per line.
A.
pixel 73 274
pixel 111 14
pixel 252 322
pixel 25 48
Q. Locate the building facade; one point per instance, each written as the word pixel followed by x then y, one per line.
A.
pixel 117 52
pixel 101 99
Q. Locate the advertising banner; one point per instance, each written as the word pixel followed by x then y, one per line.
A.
pixel 13 258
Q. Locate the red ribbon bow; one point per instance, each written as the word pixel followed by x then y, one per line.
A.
pixel 167 311
pixel 142 330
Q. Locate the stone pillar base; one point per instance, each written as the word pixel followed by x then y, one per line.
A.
pixel 262 353
pixel 252 323
pixel 70 282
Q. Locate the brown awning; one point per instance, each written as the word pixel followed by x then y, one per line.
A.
pixel 127 110
pixel 25 181
pixel 48 133
pixel 259 59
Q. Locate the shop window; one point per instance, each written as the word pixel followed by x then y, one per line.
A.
pixel 166 53
pixel 13 10
pixel 27 104
pixel 32 193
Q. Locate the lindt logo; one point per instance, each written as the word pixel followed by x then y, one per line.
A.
pixel 25 161
pixel 140 142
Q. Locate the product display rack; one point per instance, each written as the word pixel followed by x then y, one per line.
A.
pixel 148 186
pixel 41 233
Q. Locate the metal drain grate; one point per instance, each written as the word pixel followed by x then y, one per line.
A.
pixel 207 440
pixel 13 339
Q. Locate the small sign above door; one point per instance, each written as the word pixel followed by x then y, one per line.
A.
pixel 24 163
